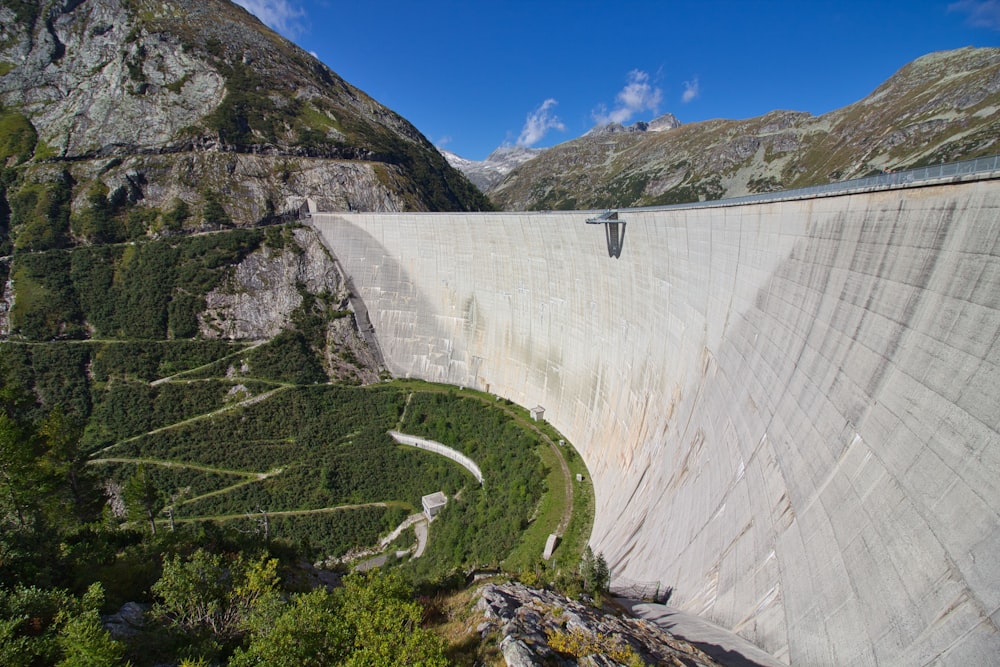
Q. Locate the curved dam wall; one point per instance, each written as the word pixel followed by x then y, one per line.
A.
pixel 789 410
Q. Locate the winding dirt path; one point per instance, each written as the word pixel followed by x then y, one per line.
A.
pixel 319 510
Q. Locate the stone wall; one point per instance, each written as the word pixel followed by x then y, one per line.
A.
pixel 790 411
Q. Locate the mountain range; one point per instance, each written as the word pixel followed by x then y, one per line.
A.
pixel 940 108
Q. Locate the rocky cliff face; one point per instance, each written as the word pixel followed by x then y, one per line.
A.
pixel 124 121
pixel 940 108
pixel 263 292
pixel 541 627
pixel 197 101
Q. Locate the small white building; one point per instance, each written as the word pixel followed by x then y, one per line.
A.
pixel 433 503
pixel 538 413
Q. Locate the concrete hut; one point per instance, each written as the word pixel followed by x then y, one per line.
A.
pixel 433 503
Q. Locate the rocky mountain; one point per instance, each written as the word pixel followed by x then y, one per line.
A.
pixel 484 174
pixel 155 104
pixel 659 124
pixel 940 108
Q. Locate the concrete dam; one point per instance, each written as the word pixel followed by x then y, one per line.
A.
pixel 790 409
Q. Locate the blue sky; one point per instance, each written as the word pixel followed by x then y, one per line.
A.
pixel 473 75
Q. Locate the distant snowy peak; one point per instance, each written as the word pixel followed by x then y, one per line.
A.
pixel 457 161
pixel 486 173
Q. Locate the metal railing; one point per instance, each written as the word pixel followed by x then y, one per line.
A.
pixel 975 169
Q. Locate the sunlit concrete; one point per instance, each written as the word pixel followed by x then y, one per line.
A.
pixel 790 410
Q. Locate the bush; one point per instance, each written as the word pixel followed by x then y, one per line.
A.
pixel 39 215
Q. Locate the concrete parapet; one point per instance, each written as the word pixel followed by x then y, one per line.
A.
pixel 790 410
pixel 444 450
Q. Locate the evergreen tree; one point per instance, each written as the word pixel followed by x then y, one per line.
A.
pixel 594 573
pixel 142 497
pixel 84 641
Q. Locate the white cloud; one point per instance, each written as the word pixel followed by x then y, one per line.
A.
pixel 281 15
pixel 692 90
pixel 538 123
pixel 637 96
pixel 982 13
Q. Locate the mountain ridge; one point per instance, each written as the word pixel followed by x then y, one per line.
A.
pixel 942 107
pixel 194 101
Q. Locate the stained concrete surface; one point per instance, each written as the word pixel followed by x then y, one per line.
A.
pixel 725 647
pixel 790 410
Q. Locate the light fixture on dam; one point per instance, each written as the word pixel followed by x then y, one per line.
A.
pixel 614 230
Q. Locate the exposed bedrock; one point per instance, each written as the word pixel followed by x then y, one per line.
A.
pixel 790 410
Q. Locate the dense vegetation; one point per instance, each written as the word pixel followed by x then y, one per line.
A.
pixel 147 290
pixel 135 460
pixel 486 522
pixel 307 472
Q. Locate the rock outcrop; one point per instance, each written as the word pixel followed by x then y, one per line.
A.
pixel 540 627
pixel 484 174
pixel 264 291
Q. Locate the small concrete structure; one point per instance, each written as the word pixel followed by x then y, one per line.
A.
pixel 538 413
pixel 436 447
pixel 433 503
pixel 550 546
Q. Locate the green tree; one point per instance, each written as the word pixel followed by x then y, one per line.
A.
pixel 214 212
pixel 174 219
pixel 40 214
pixel 594 573
pixel 63 466
pixel 83 640
pixel 98 221
pixel 204 593
pixel 15 469
pixel 307 632
pixel 29 621
pixel 385 623
pixel 371 622
pixel 143 499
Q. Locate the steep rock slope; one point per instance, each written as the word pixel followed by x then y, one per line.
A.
pixel 940 108
pixel 197 101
